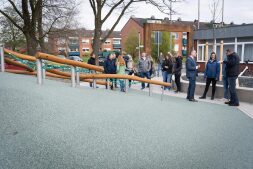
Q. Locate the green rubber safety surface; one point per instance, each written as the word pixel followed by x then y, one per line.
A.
pixel 56 126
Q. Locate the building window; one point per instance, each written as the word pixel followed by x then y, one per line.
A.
pixel 107 41
pixel 61 41
pixel 61 49
pixel 116 41
pixel 86 49
pixel 73 40
pixel 248 52
pixel 107 49
pixel 176 47
pixel 85 41
pixel 175 35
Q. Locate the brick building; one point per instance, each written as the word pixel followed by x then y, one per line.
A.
pixel 180 38
pixel 80 40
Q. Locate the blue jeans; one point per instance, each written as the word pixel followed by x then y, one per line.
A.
pixel 191 87
pixel 232 90
pixel 225 87
pixel 159 67
pixel 144 74
pixel 122 84
pixel 167 78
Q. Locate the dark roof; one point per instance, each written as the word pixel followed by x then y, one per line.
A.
pixel 244 30
pixel 203 25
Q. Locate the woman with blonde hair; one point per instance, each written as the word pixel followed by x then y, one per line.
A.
pixel 121 67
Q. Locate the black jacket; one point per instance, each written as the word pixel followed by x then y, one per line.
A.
pixel 92 61
pixel 169 64
pixel 232 65
pixel 178 66
pixel 110 66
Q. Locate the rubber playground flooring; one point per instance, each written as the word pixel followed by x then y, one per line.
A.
pixel 56 126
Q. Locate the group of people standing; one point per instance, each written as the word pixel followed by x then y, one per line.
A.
pixel 230 73
pixel 170 65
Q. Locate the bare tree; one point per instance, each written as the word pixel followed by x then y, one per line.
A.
pixel 216 12
pixel 121 6
pixel 38 18
pixel 10 35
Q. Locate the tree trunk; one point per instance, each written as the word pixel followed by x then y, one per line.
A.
pixel 97 35
pixel 31 44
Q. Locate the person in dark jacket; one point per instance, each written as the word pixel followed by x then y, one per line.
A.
pixel 92 61
pixel 212 73
pixel 177 72
pixel 110 66
pixel 191 73
pixel 167 67
pixel 232 72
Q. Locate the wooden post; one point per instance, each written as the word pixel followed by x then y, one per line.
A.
pixel 221 58
pixel 206 53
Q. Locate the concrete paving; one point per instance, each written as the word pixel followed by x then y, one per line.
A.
pixel 56 126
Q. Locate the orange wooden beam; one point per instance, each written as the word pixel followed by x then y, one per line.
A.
pixel 117 76
pixel 21 56
pixel 68 62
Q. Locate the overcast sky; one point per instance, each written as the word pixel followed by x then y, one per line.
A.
pixel 238 11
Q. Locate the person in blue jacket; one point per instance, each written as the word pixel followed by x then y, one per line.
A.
pixel 212 73
pixel 110 67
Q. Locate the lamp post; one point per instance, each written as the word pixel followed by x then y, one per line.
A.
pixel 139 45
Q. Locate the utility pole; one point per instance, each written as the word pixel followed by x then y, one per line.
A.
pixel 170 11
pixel 198 12
pixel 139 45
pixel 222 15
pixel 158 43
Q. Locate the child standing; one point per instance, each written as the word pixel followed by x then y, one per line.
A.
pixel 121 67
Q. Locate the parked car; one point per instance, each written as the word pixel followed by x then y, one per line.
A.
pixel 76 58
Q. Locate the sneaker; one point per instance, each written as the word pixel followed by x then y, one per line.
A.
pixel 202 97
pixel 142 88
pixel 212 98
pixel 228 102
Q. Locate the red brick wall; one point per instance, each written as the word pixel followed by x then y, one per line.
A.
pixel 130 26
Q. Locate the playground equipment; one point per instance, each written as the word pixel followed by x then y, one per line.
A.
pixel 44 65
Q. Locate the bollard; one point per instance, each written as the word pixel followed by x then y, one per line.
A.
pixel 149 89
pixel 94 81
pixel 108 84
pixel 162 93
pixel 73 72
pixel 2 59
pixel 43 70
pixel 94 84
pixel 78 78
pixel 39 71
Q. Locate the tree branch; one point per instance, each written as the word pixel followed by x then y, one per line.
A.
pixel 15 8
pixel 113 7
pixel 117 21
pixel 93 6
pixel 12 21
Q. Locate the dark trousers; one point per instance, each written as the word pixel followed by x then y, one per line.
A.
pixel 232 90
pixel 191 87
pixel 178 83
pixel 208 82
pixel 130 72
pixel 144 74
